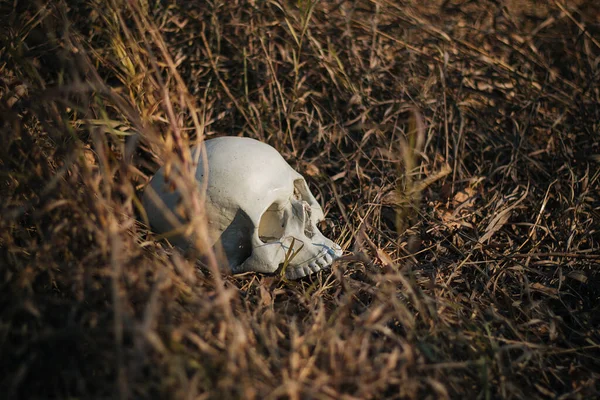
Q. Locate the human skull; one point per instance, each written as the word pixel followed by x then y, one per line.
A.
pixel 257 206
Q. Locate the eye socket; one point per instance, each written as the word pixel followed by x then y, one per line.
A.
pixel 272 224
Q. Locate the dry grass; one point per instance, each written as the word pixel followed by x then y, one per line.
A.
pixel 455 148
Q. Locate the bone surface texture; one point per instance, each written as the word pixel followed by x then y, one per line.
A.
pixel 258 208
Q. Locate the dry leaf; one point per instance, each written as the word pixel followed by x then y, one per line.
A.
pixel 578 276
pixel 550 291
pixel 338 176
pixel 312 170
pixel 496 224
pixel 501 219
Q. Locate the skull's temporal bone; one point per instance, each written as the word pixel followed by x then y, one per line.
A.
pixel 258 208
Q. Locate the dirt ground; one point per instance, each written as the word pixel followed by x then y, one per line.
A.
pixel 454 146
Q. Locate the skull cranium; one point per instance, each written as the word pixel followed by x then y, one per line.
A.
pixel 258 207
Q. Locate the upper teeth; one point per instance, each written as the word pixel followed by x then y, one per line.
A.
pixel 316 265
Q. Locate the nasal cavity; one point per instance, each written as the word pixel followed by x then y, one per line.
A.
pixel 309 230
pixel 272 224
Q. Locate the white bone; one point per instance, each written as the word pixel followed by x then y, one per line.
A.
pixel 257 207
